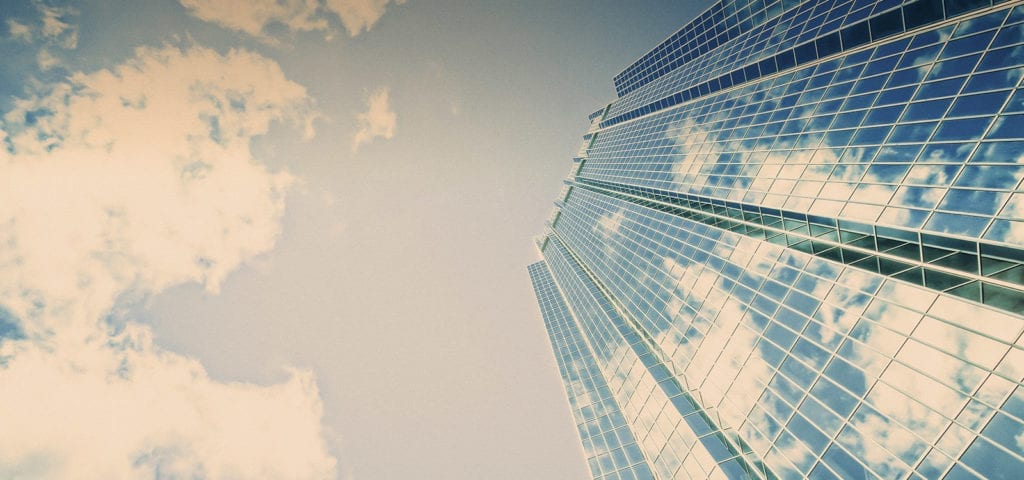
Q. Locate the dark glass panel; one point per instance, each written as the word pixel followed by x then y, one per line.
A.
pixel 970 291
pixel 785 60
pixel 805 53
pixel 922 12
pixel 855 35
pixel 942 281
pixel 956 7
pixel 886 24
pixel 828 44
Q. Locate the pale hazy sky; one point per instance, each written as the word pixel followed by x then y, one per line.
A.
pixel 288 239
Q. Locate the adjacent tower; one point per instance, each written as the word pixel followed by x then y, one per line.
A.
pixel 793 247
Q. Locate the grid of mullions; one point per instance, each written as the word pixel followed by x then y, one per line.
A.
pixel 682 442
pixel 921 132
pixel 720 23
pixel 863 351
pixel 980 272
pixel 917 13
pixel 807 22
pixel 611 449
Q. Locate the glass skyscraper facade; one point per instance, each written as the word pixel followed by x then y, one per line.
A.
pixel 793 247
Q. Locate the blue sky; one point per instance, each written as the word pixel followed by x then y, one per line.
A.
pixel 291 241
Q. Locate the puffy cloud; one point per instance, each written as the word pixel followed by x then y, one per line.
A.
pixel 52 31
pixel 56 29
pixel 359 15
pixel 133 410
pixel 46 60
pixel 254 16
pixel 126 181
pixel 378 121
pixel 19 31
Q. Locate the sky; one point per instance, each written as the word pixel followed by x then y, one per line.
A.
pixel 289 238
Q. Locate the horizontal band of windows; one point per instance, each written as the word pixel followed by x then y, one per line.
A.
pixel 719 24
pixel 875 28
pixel 982 272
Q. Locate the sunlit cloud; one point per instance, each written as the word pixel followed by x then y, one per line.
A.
pixel 359 15
pixel 19 31
pixel 255 16
pixel 378 121
pixel 49 31
pixel 46 60
pixel 127 181
pixel 55 28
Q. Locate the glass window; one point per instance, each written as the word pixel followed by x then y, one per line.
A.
pixel 828 44
pixel 942 88
pixel 978 24
pixel 965 45
pixel 855 35
pixel 881 65
pixel 957 224
pixel 805 53
pixel 1008 126
pixel 924 174
pixel 907 76
pixel 886 24
pixel 1002 58
pixel 994 177
pixel 982 104
pixel 922 12
pixel 860 101
pixel 1008 36
pixel 964 129
pixel 973 201
pixel 844 464
pixel 870 84
pixel 996 80
pixel 1000 152
pixel 871 135
pixel 896 95
pixel 954 68
pixel 956 7
pixel 928 110
pixel 785 60
pixel 884 115
pixel 912 132
pixel 991 461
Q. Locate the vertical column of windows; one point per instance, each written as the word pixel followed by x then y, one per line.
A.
pixel 680 439
pixel 609 444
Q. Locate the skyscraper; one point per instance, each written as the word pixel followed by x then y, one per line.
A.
pixel 793 245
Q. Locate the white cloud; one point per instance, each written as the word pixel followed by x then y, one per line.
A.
pixel 51 29
pixel 19 31
pixel 134 179
pixel 254 16
pixel 46 60
pixel 359 15
pixel 128 413
pixel 378 121
pixel 56 29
